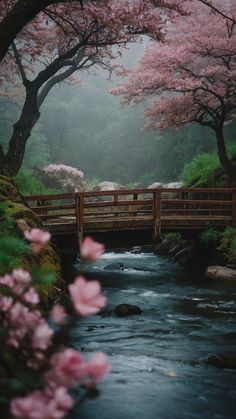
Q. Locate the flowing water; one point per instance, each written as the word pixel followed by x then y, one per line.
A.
pixel 183 318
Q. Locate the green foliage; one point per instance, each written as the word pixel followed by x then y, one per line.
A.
pixel 211 237
pixel 199 169
pixel 12 252
pixel 37 152
pixel 28 184
pixel 6 223
pixel 173 237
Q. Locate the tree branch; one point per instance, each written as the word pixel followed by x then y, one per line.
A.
pixel 19 64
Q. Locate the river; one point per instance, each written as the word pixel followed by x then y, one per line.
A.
pixel 184 318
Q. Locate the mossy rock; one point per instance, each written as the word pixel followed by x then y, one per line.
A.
pixel 23 218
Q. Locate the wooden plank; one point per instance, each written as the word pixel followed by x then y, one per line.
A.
pixel 53 207
pixel 196 201
pixel 51 197
pixel 106 204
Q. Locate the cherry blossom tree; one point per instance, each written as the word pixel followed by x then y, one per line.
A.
pixel 63 40
pixel 192 75
pixel 14 15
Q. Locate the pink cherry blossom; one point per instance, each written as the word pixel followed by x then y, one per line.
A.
pixel 97 369
pixel 86 296
pixel 5 303
pixel 38 238
pixel 58 314
pixel 42 336
pixel 91 250
pixel 68 368
pixel 37 235
pixel 31 296
pixel 41 405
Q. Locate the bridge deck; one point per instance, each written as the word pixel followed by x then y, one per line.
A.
pixel 137 209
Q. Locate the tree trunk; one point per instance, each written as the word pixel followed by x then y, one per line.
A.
pixel 21 132
pixel 228 166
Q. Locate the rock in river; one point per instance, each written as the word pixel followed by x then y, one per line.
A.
pixel 123 310
pixel 220 273
pixel 114 267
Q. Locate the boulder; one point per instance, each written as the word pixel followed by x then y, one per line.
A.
pixel 123 310
pixel 155 185
pixel 171 185
pixel 220 273
pixel 108 186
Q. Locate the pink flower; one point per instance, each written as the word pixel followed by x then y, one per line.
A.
pixel 40 405
pixel 58 314
pixel 5 303
pixel 86 296
pixel 97 369
pixel 31 296
pixel 42 336
pixel 21 276
pixel 68 367
pixel 91 250
pixel 38 238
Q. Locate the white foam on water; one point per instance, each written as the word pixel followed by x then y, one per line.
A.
pixel 113 255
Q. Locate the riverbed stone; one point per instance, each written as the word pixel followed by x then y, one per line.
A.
pixel 220 273
pixel 116 266
pixel 218 361
pixel 123 310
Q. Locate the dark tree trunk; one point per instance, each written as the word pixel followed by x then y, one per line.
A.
pixel 21 14
pixel 21 132
pixel 228 166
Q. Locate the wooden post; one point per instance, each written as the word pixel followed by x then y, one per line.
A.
pixel 77 218
pixel 157 213
pixel 81 217
pixel 79 205
pixel 234 208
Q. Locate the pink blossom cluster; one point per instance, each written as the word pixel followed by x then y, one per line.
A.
pixel 190 76
pixel 38 238
pixel 20 317
pixel 63 169
pixel 68 177
pixel 29 335
pixel 68 368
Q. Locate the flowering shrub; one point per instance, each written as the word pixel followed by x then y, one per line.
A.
pixel 37 370
pixel 67 176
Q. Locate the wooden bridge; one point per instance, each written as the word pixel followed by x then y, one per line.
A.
pixel 136 209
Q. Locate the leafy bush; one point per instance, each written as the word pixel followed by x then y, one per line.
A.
pixel 199 169
pixel 173 237
pixel 210 237
pixel 6 223
pixel 28 184
pixel 12 252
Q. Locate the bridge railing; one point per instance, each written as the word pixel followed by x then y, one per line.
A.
pixel 153 207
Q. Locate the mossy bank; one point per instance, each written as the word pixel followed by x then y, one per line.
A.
pixel 15 218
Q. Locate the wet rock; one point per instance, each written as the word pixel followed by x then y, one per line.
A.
pixel 114 267
pixel 171 185
pixel 218 361
pixel 123 310
pixel 136 249
pixel 108 186
pixel 183 255
pixel 220 273
pixel 155 185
